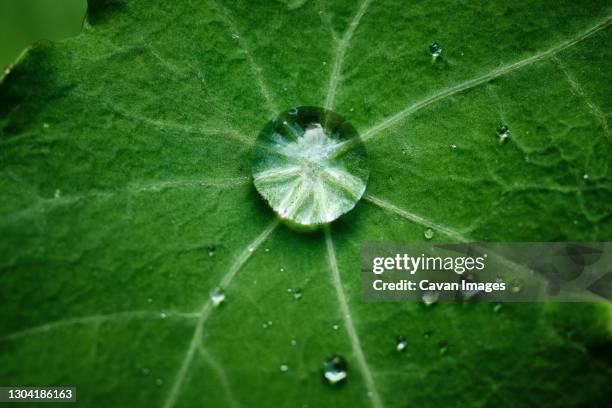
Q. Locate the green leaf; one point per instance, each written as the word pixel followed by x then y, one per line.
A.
pixel 127 199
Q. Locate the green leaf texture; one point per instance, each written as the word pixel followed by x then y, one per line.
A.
pixel 127 198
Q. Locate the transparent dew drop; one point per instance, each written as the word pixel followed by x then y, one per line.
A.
pixel 163 315
pixel 400 343
pixel 443 347
pixel 296 293
pixel 217 296
pixel 293 342
pixel 430 298
pixel 435 50
pixel 585 176
pixel 334 369
pixel 211 250
pixel 310 165
pixel 335 327
pixel 149 300
pixel 503 133
pixel 428 233
pixel 453 146
pixel 267 324
pixel 497 307
pixel 516 286
pixel 284 367
pixel 159 381
pixel 46 125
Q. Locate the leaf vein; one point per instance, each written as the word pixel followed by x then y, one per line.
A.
pixel 496 73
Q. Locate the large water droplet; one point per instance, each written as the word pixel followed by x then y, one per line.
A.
pixel 311 167
pixel 217 296
pixel 503 133
pixel 435 50
pixel 400 343
pixel 334 369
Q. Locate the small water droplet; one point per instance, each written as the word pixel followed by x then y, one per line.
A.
pixel 217 296
pixel 335 327
pixel 400 343
pixel 267 324
pixel 150 300
pixel 324 62
pixel 145 371
pixel 296 293
pixel 497 307
pixel 443 347
pixel 351 109
pixel 404 152
pixel 453 146
pixel 282 269
pixel 585 176
pixel 57 193
pixel 284 367
pixel 503 133
pixel 267 249
pixel 7 71
pixel 211 250
pixel 251 249
pixel 163 315
pixel 46 125
pixel 435 50
pixel 430 298
pixel 293 342
pixel 334 369
pixel 427 334
pixel 516 287
pixel 428 233
pixel 235 36
pixel 159 381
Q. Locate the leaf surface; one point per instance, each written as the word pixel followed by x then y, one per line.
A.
pixel 127 199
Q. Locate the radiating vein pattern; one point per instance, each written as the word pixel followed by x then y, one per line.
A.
pixel 204 312
pixel 98 319
pixel 302 168
pixel 496 73
pixel 448 231
pixel 255 68
pixel 336 73
pixel 348 322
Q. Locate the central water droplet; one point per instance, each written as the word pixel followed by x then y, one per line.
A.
pixel 310 165
pixel 334 369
